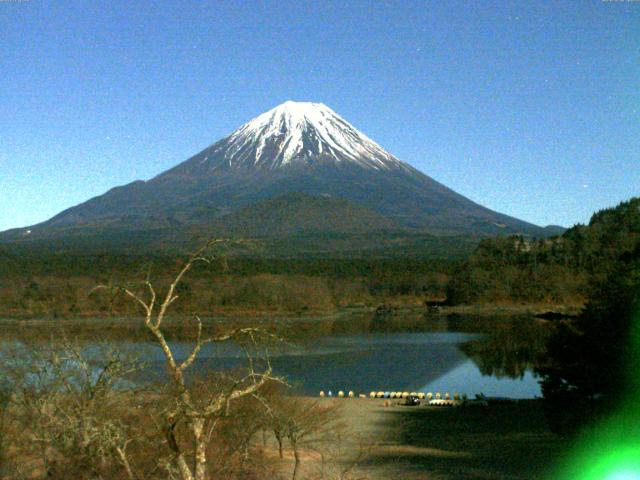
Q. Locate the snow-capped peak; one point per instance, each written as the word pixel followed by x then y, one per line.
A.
pixel 301 132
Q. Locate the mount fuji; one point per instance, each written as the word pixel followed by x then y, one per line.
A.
pixel 297 169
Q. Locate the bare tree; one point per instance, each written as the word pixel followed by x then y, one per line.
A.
pixel 301 421
pixel 306 420
pixel 197 415
pixel 68 409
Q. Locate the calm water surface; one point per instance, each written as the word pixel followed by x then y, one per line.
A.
pixel 494 357
pixel 388 362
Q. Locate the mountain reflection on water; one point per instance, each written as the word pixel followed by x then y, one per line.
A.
pixel 401 352
pixel 390 351
pixel 508 349
pixel 495 356
pixel 501 360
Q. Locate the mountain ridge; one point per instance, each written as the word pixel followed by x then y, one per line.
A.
pixel 294 148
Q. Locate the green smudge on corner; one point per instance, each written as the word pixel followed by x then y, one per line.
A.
pixel 611 449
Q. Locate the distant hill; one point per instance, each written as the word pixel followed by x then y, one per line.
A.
pixel 553 230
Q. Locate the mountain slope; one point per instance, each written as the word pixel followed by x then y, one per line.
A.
pixel 293 148
pixel 301 214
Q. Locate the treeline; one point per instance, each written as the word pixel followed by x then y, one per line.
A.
pixel 37 284
pixel 509 270
pixel 589 373
pixel 16 261
pixel 555 270
pixel 590 366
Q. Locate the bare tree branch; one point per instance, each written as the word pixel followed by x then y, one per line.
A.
pixel 200 417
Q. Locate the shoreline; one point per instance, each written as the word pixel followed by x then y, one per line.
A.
pixel 444 311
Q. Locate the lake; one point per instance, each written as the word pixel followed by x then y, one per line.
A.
pixel 366 353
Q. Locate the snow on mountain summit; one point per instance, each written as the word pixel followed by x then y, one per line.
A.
pixel 299 132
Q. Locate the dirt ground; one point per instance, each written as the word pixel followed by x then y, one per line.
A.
pixel 502 441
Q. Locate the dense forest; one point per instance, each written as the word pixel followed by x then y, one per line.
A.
pixel 505 270
pixel 556 270
pixel 37 284
pixel 589 371
pixel 590 365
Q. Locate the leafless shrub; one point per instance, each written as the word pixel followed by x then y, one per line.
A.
pixel 68 410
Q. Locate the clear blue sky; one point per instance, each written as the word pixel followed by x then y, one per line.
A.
pixel 530 108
